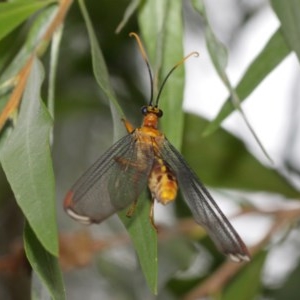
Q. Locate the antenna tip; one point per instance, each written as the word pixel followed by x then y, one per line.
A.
pixel 131 34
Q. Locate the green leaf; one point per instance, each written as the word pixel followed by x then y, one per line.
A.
pixel 221 160
pixel 218 54
pixel 217 50
pixel 162 28
pixel 26 161
pixel 44 264
pixel 144 238
pixel 37 30
pixel 13 14
pixel 275 51
pixel 290 288
pixel 132 7
pixel 288 12
pixel 247 282
pixel 54 53
pixel 101 74
pixel 8 46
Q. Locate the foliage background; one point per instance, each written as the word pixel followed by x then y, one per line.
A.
pixel 100 261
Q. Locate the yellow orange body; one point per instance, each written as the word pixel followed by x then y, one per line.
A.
pixel 162 181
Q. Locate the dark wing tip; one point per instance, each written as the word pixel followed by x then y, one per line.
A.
pixel 238 257
pixel 239 253
pixel 69 208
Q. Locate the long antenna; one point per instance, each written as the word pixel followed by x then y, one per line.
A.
pixel 194 53
pixel 144 55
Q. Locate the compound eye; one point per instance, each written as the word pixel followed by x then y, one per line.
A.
pixel 160 113
pixel 144 110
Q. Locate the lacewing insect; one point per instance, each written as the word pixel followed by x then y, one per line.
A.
pixel 145 157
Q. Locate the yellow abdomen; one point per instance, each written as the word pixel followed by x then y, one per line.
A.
pixel 162 182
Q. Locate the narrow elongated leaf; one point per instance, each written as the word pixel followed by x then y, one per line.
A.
pixel 144 238
pixel 53 69
pixel 288 13
pixel 44 264
pixel 139 227
pixel 37 30
pixel 218 54
pixel 132 7
pixel 13 14
pixel 290 288
pixel 222 160
pixel 248 281
pixel 102 76
pixel 7 46
pixel 26 161
pixel 275 51
pixel 162 28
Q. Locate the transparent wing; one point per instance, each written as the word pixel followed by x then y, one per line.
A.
pixel 205 211
pixel 114 181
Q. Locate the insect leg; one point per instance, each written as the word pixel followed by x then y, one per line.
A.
pixel 131 209
pixel 151 215
pixel 128 126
